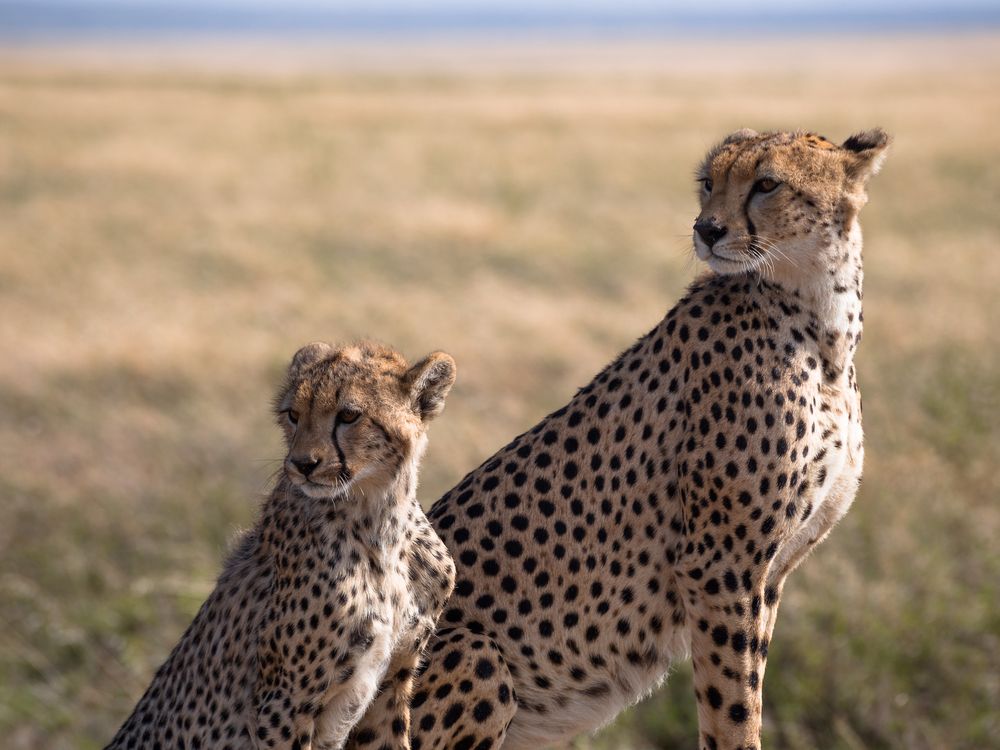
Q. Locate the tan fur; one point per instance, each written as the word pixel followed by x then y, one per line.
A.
pixel 327 603
pixel 661 509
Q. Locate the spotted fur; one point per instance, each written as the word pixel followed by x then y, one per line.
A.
pixel 659 512
pixel 327 602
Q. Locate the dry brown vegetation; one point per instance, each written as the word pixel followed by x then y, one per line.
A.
pixel 168 237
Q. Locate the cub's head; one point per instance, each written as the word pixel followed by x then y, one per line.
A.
pixel 781 203
pixel 353 415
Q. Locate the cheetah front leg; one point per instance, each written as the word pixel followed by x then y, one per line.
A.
pixel 732 605
pixel 353 691
pixel 283 723
pixel 730 634
pixel 303 703
pixel 287 699
pixel 386 723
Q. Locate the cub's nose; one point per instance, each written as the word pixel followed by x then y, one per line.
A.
pixel 709 231
pixel 305 465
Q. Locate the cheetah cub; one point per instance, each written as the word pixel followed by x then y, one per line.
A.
pixel 327 602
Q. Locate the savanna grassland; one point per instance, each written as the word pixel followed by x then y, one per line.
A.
pixel 169 235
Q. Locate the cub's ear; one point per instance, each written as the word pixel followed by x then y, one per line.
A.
pixel 865 153
pixel 308 355
pixel 428 382
pixel 740 135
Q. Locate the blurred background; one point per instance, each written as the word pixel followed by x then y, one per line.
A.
pixel 190 192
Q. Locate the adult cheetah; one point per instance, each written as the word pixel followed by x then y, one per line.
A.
pixel 659 512
pixel 338 585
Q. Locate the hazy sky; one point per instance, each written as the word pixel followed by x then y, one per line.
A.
pixel 570 5
pixel 30 18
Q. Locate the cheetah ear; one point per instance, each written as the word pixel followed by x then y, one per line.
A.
pixel 428 382
pixel 308 355
pixel 740 135
pixel 865 153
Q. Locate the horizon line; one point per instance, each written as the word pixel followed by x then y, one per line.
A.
pixel 38 20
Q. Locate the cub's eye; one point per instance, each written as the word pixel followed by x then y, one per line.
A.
pixel 293 416
pixel 347 416
pixel 766 185
pixel 706 185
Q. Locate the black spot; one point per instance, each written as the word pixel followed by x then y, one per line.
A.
pixel 452 660
pixel 365 737
pixel 720 635
pixel 714 697
pixel 739 641
pixel 513 548
pixel 484 669
pixel 729 579
pixel 482 711
pixel 453 714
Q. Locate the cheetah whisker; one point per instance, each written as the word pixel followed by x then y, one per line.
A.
pixel 772 247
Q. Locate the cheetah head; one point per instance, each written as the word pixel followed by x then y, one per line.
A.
pixel 353 415
pixel 777 203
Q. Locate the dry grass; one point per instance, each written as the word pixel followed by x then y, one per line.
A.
pixel 169 237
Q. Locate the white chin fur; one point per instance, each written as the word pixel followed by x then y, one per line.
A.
pixel 723 266
pixel 701 249
pixel 322 492
pixel 717 263
pixel 715 258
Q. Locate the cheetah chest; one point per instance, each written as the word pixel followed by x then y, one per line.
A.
pixel 385 606
pixel 834 474
pixel 379 615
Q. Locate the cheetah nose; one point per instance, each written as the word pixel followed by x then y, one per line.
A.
pixel 709 231
pixel 305 465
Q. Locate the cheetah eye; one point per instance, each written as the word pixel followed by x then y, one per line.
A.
pixel 765 185
pixel 293 416
pixel 706 184
pixel 347 416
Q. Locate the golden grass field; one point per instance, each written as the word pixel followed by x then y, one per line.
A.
pixel 171 233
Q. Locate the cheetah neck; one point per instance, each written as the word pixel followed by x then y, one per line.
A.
pixel 381 516
pixel 832 299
